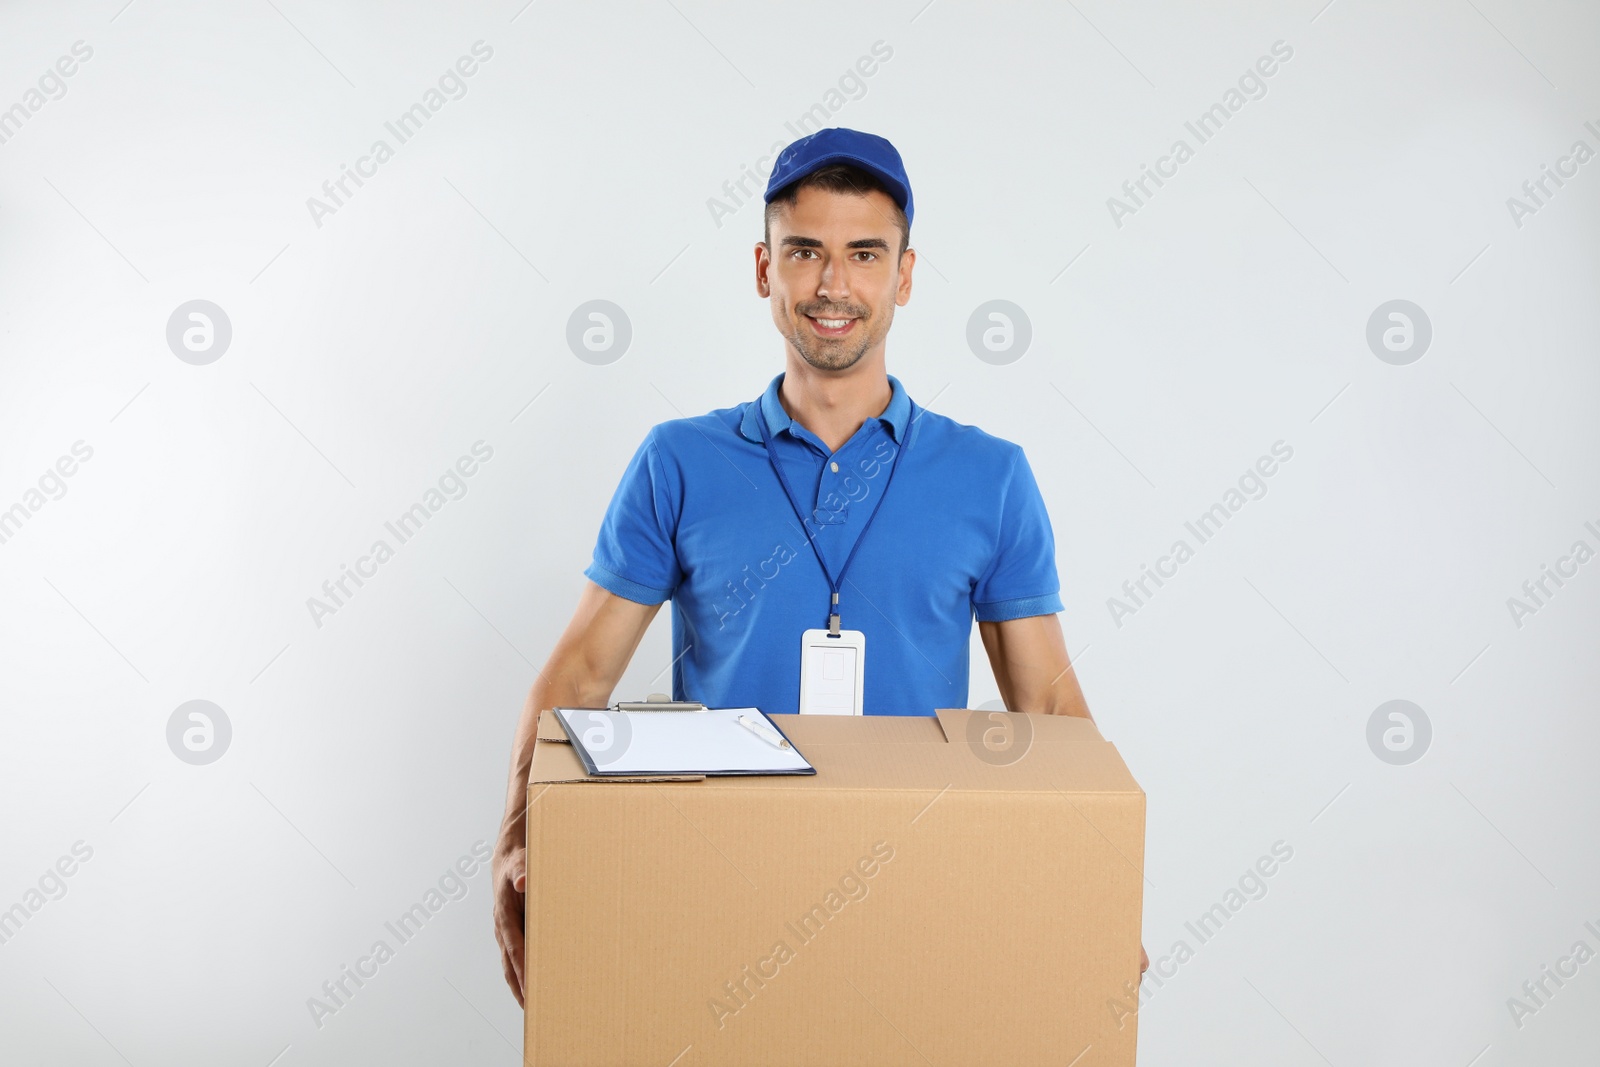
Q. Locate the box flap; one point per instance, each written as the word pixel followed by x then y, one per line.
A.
pixel 555 760
pixel 993 727
pixel 550 728
pixel 958 749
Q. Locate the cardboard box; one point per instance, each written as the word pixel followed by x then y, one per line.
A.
pixel 962 889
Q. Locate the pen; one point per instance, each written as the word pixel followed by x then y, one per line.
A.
pixel 762 732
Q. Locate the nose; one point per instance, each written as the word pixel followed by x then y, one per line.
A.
pixel 834 285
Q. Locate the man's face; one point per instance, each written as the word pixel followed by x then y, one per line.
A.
pixel 834 275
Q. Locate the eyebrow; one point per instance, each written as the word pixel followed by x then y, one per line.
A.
pixel 860 242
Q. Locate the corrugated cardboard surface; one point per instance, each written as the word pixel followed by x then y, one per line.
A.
pixel 924 898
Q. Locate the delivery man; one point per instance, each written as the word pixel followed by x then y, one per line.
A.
pixel 830 513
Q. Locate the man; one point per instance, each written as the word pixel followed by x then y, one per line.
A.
pixel 831 509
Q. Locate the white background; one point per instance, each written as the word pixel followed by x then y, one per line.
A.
pixel 429 312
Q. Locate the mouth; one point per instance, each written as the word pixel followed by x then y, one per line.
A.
pixel 831 327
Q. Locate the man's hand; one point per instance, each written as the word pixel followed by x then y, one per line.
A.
pixel 510 880
pixel 583 669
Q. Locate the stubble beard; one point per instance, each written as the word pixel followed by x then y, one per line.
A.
pixel 830 355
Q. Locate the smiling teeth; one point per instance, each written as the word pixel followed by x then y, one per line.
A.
pixel 833 324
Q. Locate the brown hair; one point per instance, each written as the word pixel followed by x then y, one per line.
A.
pixel 838 178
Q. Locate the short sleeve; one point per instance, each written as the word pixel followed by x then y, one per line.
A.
pixel 634 556
pixel 1021 579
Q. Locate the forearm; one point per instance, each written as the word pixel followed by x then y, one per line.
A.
pixel 1029 657
pixel 584 667
pixel 542 695
pixel 562 684
pixel 1062 697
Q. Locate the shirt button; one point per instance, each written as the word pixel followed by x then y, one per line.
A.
pixel 834 467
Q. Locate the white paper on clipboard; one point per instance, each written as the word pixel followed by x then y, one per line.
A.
pixel 711 742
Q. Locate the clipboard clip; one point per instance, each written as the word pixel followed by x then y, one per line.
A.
pixel 658 702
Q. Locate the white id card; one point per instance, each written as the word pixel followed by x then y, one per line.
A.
pixel 832 669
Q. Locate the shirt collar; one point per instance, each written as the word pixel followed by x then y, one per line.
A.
pixel 895 417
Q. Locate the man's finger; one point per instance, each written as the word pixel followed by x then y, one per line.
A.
pixel 511 978
pixel 508 931
pixel 515 950
pixel 514 941
pixel 517 870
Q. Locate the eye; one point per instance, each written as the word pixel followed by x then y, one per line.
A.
pixel 805 252
pixel 870 255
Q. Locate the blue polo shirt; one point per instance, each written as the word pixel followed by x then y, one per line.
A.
pixel 701 519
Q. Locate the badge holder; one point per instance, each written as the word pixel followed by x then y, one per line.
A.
pixel 832 670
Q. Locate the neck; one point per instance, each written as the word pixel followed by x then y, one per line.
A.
pixel 834 404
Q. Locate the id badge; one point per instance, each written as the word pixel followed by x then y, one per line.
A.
pixel 832 669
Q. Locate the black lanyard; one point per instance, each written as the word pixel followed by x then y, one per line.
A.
pixel 783 480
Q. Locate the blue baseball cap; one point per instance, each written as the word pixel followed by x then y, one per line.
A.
pixel 835 145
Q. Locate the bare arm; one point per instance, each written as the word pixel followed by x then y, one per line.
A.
pixel 583 669
pixel 1029 657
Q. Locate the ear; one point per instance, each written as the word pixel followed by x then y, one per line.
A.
pixel 902 292
pixel 763 265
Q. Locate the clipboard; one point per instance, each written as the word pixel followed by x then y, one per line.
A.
pixel 620 742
